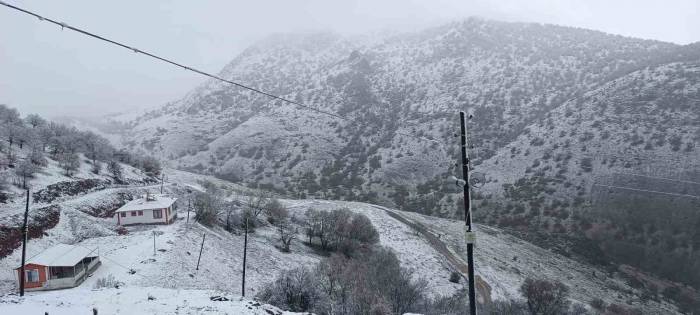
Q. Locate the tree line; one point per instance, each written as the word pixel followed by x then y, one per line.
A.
pixel 29 142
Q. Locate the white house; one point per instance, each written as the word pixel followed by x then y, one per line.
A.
pixel 150 209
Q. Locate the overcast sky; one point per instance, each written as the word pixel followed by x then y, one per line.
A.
pixel 54 72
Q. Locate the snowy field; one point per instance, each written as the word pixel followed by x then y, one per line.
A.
pixel 169 273
pixel 143 300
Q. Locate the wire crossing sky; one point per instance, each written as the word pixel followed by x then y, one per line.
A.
pixel 64 25
pixel 53 72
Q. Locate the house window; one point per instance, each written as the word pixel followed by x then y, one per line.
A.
pixel 140 213
pixel 133 213
pixel 123 214
pixel 157 214
pixel 32 275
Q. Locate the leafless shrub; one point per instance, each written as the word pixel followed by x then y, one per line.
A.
pixel 108 282
pixel 545 297
pixel 294 290
pixel 340 230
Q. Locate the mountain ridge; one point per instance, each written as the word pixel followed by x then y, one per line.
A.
pixel 516 79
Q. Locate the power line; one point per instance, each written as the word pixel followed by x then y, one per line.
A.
pixel 63 25
pixel 636 156
pixel 656 177
pixel 646 190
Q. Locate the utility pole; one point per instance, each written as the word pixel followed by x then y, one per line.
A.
pixel 154 243
pixel 469 235
pixel 162 178
pixel 24 246
pixel 200 251
pixel 245 252
pixel 188 210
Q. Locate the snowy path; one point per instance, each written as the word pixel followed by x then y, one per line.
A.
pixel 483 289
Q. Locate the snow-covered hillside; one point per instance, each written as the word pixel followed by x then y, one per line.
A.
pixel 429 246
pixel 562 118
pixel 509 75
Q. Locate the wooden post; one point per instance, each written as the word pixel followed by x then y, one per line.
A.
pixel 188 210
pixel 200 251
pixel 245 252
pixel 24 247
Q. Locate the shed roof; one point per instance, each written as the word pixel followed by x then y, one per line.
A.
pixel 160 202
pixel 63 255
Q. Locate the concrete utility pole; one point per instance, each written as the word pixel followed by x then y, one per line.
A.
pixel 469 235
pixel 24 246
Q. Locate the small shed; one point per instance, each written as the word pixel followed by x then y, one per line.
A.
pixel 150 209
pixel 58 267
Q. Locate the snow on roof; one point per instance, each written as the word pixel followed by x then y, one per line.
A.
pixel 158 202
pixel 62 255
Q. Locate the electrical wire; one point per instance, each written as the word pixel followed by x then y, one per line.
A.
pixel 646 190
pixel 656 177
pixel 63 25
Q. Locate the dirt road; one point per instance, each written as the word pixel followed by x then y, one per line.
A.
pixel 483 289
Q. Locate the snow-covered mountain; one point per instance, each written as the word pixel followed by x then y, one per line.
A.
pixel 563 117
pixel 509 75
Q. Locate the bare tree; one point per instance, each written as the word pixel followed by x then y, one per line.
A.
pixel 230 215
pixel 278 215
pixel 44 135
pixel 362 230
pixel 207 207
pixel 3 180
pixel 11 157
pixel 114 168
pixel 96 167
pixel 287 233
pixel 254 206
pixel 8 115
pixel 69 162
pixel 96 147
pixel 37 157
pixel 11 132
pixel 151 166
pixel 25 170
pixel 24 135
pixel 35 120
pixel 276 212
pixel 295 290
pixel 545 297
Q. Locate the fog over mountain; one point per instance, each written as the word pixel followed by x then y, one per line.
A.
pixel 583 148
pixel 85 77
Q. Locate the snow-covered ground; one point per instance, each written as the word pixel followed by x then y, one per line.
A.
pixel 142 300
pixel 170 273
